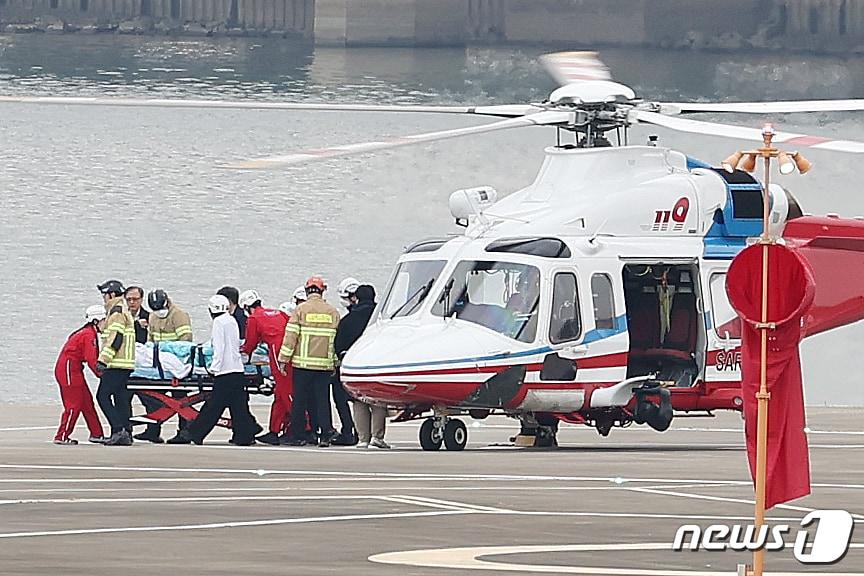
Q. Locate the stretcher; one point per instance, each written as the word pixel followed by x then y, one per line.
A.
pixel 182 395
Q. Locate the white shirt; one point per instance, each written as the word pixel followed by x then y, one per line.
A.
pixel 225 339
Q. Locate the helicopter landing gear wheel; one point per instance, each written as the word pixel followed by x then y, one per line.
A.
pixel 455 435
pixel 431 434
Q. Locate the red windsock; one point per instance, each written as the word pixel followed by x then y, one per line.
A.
pixel 791 290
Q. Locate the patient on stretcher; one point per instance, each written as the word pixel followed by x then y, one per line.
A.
pixel 179 360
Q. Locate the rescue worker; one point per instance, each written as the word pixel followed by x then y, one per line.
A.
pixel 168 323
pixel 233 296
pixel 134 300
pixel 268 326
pixel 229 383
pixel 371 421
pixel 308 344
pixel 81 348
pixel 347 435
pixel 116 362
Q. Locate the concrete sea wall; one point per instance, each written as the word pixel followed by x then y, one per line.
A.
pixel 822 25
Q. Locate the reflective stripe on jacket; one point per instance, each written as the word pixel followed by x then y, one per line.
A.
pixel 309 336
pixel 119 322
pixel 176 326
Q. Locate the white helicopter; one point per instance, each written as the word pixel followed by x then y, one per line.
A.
pixel 596 295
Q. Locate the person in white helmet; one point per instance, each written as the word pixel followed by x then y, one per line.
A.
pixel 264 325
pixel 347 435
pixel 229 382
pixel 346 290
pixel 81 348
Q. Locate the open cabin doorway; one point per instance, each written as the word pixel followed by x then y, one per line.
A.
pixel 663 321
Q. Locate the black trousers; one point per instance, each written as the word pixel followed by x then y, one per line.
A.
pixel 311 390
pixel 340 399
pixel 152 404
pixel 229 391
pixel 114 398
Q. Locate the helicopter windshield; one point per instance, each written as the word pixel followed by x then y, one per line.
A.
pixel 501 296
pixel 410 286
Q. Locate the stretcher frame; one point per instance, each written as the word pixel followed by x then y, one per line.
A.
pixel 198 385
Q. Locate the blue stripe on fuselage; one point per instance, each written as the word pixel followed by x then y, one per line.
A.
pixel 590 336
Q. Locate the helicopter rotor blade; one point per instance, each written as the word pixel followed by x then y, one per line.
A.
pixel 781 107
pixel 506 110
pixel 571 67
pixel 548 118
pixel 745 133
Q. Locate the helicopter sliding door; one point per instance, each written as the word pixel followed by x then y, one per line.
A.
pixel 664 321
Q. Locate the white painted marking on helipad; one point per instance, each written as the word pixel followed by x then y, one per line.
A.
pixel 724 499
pixel 469 559
pixel 341 475
pixel 24 428
pixel 215 525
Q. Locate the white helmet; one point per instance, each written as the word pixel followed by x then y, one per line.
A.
pixel 347 287
pixel 218 304
pixel 300 294
pixel 95 312
pixel 248 297
pixel 288 307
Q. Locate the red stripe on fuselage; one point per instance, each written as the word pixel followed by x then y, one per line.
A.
pixel 616 360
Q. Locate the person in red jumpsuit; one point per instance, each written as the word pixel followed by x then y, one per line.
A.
pixel 81 347
pixel 268 326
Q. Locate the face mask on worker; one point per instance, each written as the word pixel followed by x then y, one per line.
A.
pixel 161 313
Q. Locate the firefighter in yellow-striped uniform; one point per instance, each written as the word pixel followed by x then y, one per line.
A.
pixel 116 362
pixel 167 323
pixel 308 346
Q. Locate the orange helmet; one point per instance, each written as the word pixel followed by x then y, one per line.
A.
pixel 316 282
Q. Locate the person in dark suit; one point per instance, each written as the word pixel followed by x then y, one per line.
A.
pixel 134 299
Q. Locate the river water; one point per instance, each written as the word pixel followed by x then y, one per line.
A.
pixel 91 193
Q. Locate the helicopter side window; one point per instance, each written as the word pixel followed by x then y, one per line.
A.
pixel 409 287
pixel 565 325
pixel 500 296
pixel 727 324
pixel 604 302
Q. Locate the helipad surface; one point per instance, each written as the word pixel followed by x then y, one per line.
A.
pixel 593 506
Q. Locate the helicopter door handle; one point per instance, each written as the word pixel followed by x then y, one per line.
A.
pixel 726 343
pixel 573 352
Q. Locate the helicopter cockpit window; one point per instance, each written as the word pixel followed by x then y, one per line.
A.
pixel 727 324
pixel 409 287
pixel 501 296
pixel 565 325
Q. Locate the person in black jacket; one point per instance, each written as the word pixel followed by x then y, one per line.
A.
pixel 369 420
pixel 350 328
pixel 134 299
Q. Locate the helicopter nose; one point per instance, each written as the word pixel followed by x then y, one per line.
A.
pixel 393 347
pixel 402 364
